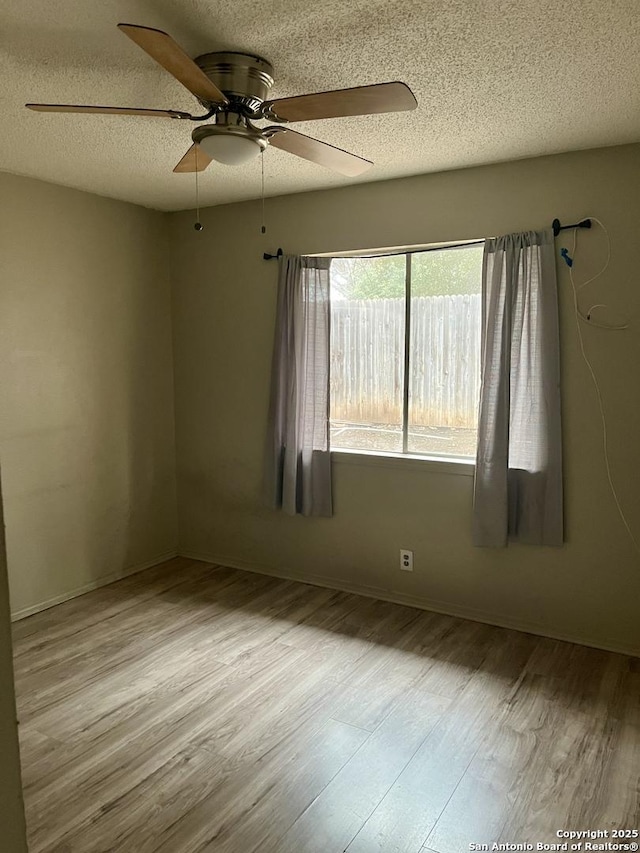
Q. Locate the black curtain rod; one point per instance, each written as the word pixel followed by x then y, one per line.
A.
pixel 278 254
pixel 557 228
pixel 555 225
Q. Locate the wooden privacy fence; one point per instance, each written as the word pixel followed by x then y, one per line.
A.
pixel 367 360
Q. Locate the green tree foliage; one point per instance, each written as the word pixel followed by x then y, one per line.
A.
pixel 434 273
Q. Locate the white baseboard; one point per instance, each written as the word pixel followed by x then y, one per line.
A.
pixel 88 587
pixel 435 606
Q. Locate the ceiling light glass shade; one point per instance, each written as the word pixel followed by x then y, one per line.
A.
pixel 230 149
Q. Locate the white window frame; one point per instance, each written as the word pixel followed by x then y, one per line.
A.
pixel 404 459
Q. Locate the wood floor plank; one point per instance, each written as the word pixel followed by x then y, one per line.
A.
pixel 194 708
pixel 336 816
pixel 330 626
pixel 159 728
pixel 480 804
pixel 58 672
pixel 413 805
pixel 242 811
pixel 262 826
pixel 448 650
pixel 162 801
pixel 119 643
pixel 382 676
pixel 71 616
pixel 574 772
pixel 153 803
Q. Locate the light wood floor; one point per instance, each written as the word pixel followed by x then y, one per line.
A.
pixel 192 708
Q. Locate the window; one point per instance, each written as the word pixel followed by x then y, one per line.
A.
pixel 405 352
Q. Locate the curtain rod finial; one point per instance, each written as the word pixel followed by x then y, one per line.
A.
pixel 269 257
pixel 557 227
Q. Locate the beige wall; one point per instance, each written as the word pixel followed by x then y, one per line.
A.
pixel 86 389
pixel 224 302
pixel 12 829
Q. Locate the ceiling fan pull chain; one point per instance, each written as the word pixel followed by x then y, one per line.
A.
pixel 264 227
pixel 198 226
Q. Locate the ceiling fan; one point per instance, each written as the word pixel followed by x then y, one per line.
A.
pixel 233 88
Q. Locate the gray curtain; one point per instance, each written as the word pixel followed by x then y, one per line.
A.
pixel 518 481
pixel 298 465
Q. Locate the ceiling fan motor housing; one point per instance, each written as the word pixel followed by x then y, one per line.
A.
pixel 243 77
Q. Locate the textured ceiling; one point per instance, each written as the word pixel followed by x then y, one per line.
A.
pixel 495 80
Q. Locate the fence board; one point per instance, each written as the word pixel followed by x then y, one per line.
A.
pixel 367 346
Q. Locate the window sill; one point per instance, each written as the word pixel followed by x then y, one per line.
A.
pixel 405 461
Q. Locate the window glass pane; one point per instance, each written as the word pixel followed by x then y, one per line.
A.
pixel 367 353
pixel 444 373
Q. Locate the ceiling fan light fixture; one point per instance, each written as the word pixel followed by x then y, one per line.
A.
pixel 230 142
pixel 230 149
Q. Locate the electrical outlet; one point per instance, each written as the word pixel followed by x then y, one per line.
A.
pixel 406 560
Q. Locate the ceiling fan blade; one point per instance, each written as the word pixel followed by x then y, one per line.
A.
pixel 168 53
pixel 119 111
pixel 362 100
pixel 318 152
pixel 195 160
